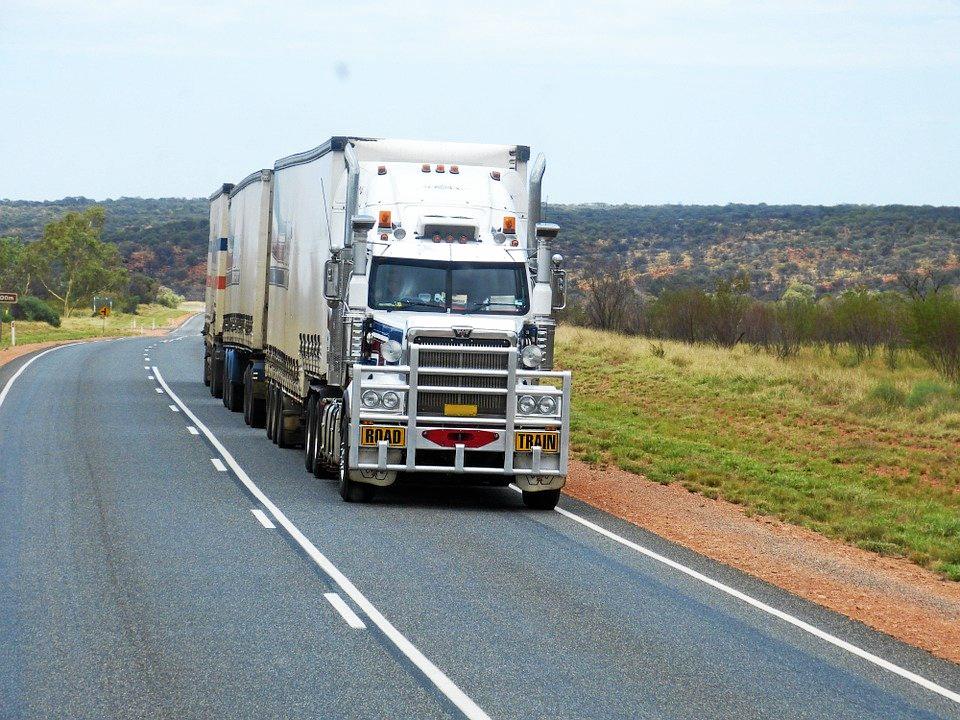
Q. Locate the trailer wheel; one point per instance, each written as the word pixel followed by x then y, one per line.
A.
pixel 206 370
pixel 309 445
pixel 216 377
pixel 542 500
pixel 258 413
pixel 350 490
pixel 281 434
pixel 247 396
pixel 232 392
pixel 270 415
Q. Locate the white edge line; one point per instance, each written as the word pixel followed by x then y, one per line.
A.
pixel 345 611
pixel 28 363
pixel 786 617
pixel 264 520
pixel 218 464
pixel 443 683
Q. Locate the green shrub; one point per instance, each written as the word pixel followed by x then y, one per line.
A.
pixel 168 298
pixel 887 394
pixel 35 309
pixel 935 332
pixel 926 391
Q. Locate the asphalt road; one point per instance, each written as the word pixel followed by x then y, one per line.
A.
pixel 136 581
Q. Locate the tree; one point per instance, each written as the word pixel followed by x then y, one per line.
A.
pixel 14 276
pixel 71 262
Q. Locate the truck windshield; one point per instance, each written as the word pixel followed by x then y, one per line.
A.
pixel 430 286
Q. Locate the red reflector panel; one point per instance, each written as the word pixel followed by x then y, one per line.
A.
pixel 385 219
pixel 221 282
pixel 468 438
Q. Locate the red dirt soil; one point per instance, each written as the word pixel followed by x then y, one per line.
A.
pixel 891 595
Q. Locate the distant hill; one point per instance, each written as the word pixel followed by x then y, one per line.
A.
pixel 831 248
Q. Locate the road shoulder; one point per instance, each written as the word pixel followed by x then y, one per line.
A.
pixel 891 595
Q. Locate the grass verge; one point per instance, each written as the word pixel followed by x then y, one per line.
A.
pixel 79 327
pixel 864 453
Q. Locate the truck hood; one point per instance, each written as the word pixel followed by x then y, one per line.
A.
pixel 395 324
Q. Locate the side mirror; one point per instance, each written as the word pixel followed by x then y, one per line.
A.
pixel 558 286
pixel 331 280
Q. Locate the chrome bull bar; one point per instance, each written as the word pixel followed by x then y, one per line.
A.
pixel 370 377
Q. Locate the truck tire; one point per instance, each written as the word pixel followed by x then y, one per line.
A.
pixel 206 370
pixel 232 392
pixel 281 435
pixel 258 413
pixel 247 396
pixel 350 490
pixel 269 412
pixel 309 442
pixel 541 500
pixel 216 377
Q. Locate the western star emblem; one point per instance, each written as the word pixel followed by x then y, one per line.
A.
pixel 462 332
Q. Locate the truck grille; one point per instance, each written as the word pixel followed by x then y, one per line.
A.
pixel 432 403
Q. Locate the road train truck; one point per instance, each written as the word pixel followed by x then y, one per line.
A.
pixel 387 305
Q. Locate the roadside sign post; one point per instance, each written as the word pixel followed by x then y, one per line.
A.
pixel 102 307
pixel 8 298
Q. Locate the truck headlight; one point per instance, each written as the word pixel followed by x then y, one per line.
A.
pixel 370 399
pixel 390 400
pixel 531 356
pixel 526 405
pixel 547 405
pixel 390 351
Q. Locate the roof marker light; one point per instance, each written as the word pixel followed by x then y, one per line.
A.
pixel 382 170
pixel 425 168
pixel 437 238
pixel 441 168
pixel 495 174
pixel 454 169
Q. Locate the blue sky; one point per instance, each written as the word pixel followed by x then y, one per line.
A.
pixel 639 102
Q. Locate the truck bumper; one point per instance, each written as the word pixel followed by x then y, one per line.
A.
pixel 457 445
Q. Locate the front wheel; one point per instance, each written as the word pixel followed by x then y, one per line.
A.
pixel 541 500
pixel 350 490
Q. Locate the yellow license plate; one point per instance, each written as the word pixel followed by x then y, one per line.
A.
pixel 548 441
pixel 371 435
pixel 459 410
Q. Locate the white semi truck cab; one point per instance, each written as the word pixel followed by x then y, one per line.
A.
pixel 437 299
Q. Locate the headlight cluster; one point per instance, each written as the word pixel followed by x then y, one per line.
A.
pixel 375 399
pixel 542 405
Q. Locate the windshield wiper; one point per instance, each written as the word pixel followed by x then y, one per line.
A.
pixel 476 306
pixel 404 303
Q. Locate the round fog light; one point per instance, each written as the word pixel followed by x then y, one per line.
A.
pixel 370 399
pixel 526 404
pixel 547 405
pixel 390 351
pixel 531 356
pixel 390 400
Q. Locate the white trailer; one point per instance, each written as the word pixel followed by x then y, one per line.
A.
pixel 244 313
pixel 418 336
pixel 216 282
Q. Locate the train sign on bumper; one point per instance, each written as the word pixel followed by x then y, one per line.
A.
pixel 548 441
